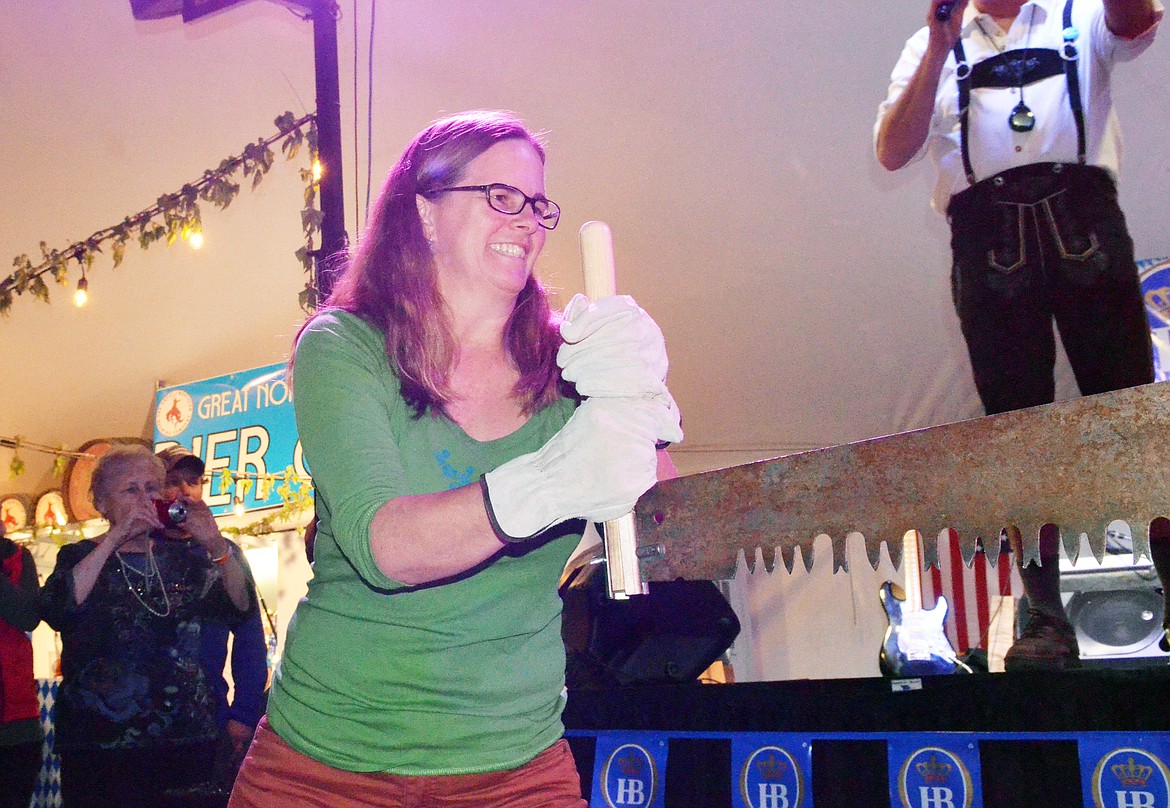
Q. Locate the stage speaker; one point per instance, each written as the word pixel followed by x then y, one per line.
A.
pixel 672 634
pixel 190 9
pixel 1114 604
pixel 1118 624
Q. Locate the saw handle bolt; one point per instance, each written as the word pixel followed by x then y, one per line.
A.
pixel 651 551
pixel 659 517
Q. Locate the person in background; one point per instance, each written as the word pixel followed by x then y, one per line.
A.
pixel 1012 101
pixel 134 723
pixel 453 464
pixel 20 713
pixel 249 650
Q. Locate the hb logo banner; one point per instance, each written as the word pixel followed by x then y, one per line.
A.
pixel 628 770
pixel 934 771
pixel 1155 276
pixel 1125 771
pixel 771 770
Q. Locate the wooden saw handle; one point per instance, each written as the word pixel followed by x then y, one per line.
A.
pixel 623 576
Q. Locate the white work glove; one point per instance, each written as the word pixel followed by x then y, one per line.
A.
pixel 614 349
pixel 594 468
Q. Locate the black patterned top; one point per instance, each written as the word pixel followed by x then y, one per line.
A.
pixel 130 653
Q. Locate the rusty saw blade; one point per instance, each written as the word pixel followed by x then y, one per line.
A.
pixel 1078 464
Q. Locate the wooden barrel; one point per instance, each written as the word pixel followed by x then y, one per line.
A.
pixel 15 511
pixel 50 509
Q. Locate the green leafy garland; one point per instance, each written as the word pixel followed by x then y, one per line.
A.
pixel 61 456
pixel 177 215
pixel 296 497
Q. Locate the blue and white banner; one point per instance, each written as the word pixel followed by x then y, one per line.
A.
pixel 242 422
pixel 924 769
pixel 771 770
pixel 1155 277
pixel 628 770
pixel 934 771
pixel 1125 770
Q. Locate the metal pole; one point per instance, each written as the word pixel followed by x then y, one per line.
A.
pixel 333 236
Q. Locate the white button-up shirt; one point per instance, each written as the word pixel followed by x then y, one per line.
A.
pixel 993 145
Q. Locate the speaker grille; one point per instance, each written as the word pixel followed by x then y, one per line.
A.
pixel 1116 622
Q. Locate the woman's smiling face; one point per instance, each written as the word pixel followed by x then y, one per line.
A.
pixel 475 246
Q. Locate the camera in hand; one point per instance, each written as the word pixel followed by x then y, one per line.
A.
pixel 171 514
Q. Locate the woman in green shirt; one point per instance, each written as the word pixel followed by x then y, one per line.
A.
pixel 439 403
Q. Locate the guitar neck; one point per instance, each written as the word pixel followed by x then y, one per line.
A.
pixel 912 566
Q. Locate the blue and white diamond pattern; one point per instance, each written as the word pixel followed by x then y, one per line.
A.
pixel 48 790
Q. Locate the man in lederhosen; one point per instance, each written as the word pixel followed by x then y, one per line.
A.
pixel 1012 101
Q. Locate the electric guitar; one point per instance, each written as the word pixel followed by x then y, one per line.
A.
pixel 915 643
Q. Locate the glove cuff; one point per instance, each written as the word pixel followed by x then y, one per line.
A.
pixel 501 534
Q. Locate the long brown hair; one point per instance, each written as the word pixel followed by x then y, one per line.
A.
pixel 390 280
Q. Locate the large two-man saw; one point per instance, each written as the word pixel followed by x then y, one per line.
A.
pixel 1077 464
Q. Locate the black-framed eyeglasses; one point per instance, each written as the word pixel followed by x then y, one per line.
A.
pixel 507 199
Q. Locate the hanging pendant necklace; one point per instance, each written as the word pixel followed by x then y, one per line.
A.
pixel 1021 119
pixel 149 574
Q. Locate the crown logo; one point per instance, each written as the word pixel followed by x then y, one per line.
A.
pixel 771 768
pixel 933 770
pixel 1132 774
pixel 630 764
pixel 1158 300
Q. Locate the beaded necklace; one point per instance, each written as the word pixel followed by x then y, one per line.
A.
pixel 150 575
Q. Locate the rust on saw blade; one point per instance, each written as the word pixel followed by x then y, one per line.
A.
pixel 1078 464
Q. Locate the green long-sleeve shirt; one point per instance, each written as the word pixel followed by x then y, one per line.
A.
pixel 459 677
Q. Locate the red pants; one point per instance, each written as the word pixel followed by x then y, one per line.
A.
pixel 275 775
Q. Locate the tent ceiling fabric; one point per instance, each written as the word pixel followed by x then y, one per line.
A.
pixel 803 291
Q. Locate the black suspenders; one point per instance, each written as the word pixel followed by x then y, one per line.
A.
pixel 1068 52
